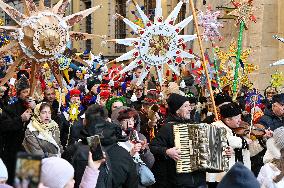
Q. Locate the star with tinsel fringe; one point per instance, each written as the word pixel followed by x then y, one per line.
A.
pixel 159 43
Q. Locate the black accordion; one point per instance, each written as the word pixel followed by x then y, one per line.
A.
pixel 202 147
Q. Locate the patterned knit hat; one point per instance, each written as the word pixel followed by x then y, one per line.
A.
pixel 278 136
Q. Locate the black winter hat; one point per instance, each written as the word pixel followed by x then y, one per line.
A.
pixel 110 133
pixel 175 101
pixel 22 83
pixel 239 176
pixel 230 110
pixel 220 98
pixel 278 98
pixel 91 82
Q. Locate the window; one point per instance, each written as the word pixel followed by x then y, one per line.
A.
pixel 181 16
pixel 150 6
pixel 88 4
pixel 120 27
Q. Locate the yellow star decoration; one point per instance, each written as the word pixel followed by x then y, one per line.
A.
pixel 74 112
pixel 243 12
pixel 227 65
pixel 277 79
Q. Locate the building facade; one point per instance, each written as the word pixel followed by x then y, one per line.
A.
pixel 265 49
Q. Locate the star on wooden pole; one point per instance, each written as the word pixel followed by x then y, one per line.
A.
pixel 243 12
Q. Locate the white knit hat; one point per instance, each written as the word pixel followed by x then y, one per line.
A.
pixel 56 172
pixel 278 136
pixel 3 171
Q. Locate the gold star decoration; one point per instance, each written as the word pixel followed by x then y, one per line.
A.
pixel 243 12
pixel 227 65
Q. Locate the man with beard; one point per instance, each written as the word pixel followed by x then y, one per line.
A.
pixel 18 116
pixel 166 153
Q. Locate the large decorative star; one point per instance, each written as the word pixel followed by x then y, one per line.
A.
pixel 227 65
pixel 243 12
pixel 158 44
pixel 210 24
pixel 41 35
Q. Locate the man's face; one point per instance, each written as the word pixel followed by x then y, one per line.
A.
pixel 138 72
pixel 49 95
pixel 78 73
pixel 233 122
pixel 278 109
pixel 184 111
pixel 24 94
pixel 138 92
pixel 94 89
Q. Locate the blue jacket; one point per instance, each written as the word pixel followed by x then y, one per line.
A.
pixel 270 120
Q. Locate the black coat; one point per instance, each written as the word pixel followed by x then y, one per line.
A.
pixel 270 120
pixel 75 129
pixel 164 167
pixel 15 132
pixel 123 168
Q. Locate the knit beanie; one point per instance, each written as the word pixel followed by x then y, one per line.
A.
pixel 278 136
pixel 175 101
pixel 91 82
pixel 3 171
pixel 239 176
pixel 56 172
pixel 230 110
pixel 22 84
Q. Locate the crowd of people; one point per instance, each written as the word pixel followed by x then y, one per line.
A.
pixel 135 126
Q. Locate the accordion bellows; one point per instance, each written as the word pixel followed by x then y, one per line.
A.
pixel 202 148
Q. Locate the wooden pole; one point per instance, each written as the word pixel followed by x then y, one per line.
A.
pixel 203 58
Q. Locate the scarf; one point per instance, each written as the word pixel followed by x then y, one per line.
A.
pixel 46 129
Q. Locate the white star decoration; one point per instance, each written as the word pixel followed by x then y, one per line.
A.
pixel 158 42
pixel 210 24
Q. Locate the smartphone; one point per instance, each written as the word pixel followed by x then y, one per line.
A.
pixel 95 147
pixel 28 170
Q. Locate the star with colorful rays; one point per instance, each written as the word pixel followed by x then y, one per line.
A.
pixel 209 22
pixel 158 44
pixel 41 35
pixel 227 66
pixel 243 12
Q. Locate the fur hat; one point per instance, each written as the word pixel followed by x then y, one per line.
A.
pixel 221 98
pixel 22 84
pixel 239 176
pixel 175 101
pixel 3 171
pixel 278 98
pixel 230 110
pixel 56 172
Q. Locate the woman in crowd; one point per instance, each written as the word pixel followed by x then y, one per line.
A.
pixel 42 136
pixel 271 174
pixel 59 173
pixel 137 144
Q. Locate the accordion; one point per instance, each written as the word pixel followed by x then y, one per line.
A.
pixel 202 147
